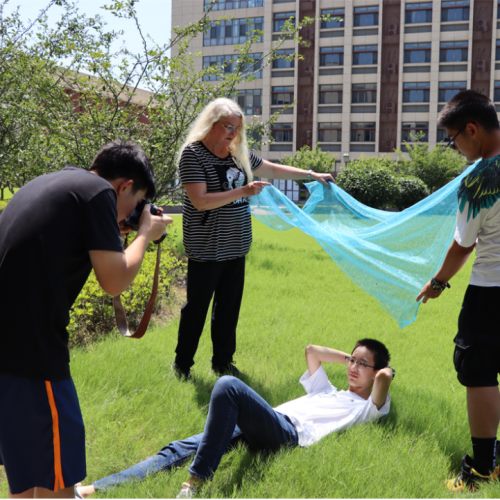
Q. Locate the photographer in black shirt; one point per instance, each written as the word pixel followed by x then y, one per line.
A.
pixel 53 232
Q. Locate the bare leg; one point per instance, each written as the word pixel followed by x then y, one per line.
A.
pixel 25 494
pixel 483 406
pixel 45 493
pixel 86 491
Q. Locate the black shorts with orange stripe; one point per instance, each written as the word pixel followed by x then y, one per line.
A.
pixel 42 436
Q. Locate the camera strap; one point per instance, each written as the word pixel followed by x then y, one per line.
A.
pixel 121 315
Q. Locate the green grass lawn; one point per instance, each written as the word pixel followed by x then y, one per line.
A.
pixel 294 295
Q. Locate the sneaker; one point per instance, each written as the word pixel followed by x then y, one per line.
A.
pixel 183 374
pixel 188 491
pixel 469 477
pixel 227 369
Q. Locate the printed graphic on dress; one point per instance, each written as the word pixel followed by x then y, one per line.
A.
pixel 235 179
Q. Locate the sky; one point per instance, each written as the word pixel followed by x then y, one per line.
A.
pixel 155 17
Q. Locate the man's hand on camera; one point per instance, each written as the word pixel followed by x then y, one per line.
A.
pixel 153 226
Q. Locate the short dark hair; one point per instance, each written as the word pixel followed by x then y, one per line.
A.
pixel 380 352
pixel 466 107
pixel 126 159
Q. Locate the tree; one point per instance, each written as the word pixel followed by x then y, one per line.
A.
pixel 90 94
pixel 435 167
pixel 25 74
pixel 311 159
pixel 371 181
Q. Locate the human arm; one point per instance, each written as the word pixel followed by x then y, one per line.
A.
pixel 455 259
pixel 383 379
pixel 115 271
pixel 284 172
pixel 316 354
pixel 203 200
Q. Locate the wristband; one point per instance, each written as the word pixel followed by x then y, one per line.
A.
pixel 309 173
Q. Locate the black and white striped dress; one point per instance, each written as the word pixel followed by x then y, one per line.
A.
pixel 225 232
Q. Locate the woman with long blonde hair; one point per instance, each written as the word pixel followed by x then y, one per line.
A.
pixel 216 169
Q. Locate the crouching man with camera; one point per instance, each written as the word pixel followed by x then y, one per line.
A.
pixel 52 233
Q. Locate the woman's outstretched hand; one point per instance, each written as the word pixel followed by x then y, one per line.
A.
pixel 254 188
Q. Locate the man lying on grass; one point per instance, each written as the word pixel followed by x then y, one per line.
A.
pixel 238 413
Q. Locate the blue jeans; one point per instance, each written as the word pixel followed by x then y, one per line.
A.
pixel 236 413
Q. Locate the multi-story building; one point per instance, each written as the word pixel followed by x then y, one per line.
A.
pixel 367 81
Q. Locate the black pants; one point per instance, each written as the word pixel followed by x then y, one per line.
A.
pixel 225 279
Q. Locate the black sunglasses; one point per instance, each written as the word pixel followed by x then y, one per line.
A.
pixel 451 142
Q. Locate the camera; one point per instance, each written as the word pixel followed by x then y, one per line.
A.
pixel 133 220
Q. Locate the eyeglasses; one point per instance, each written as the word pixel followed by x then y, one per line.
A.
pixel 451 143
pixel 360 366
pixel 230 129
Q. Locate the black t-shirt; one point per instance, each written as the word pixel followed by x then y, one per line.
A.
pixel 46 232
pixel 225 232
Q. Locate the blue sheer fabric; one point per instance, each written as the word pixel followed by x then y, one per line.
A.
pixel 389 255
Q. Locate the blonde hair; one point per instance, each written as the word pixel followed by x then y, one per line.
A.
pixel 212 113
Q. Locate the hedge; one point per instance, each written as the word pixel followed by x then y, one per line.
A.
pixel 92 315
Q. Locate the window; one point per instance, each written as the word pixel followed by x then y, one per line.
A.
pixel 331 56
pixel 454 52
pixel 329 132
pixel 230 64
pixel 497 55
pixel 280 18
pixel 330 94
pixel 290 188
pixel 280 96
pixel 233 4
pixel 282 132
pixel 250 101
pixel 457 10
pixel 284 63
pixel 417 52
pixel 363 132
pixel 366 16
pixel 416 92
pixel 254 138
pixel 409 129
pixel 442 136
pixel 364 93
pixel 232 31
pixel 449 89
pixel 496 95
pixel 418 13
pixel 333 14
pixel 365 54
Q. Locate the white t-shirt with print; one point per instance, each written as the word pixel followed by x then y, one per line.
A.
pixel 325 409
pixel 485 227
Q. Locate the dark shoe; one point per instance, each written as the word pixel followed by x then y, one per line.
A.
pixel 181 373
pixel 469 477
pixel 227 369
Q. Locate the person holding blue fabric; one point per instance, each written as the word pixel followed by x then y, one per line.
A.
pixel 237 413
pixel 470 119
pixel 216 169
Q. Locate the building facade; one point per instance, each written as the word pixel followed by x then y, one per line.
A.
pixel 375 73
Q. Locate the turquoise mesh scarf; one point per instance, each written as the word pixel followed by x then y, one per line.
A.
pixel 389 255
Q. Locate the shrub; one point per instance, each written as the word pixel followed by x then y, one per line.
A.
pixel 435 167
pixel 92 315
pixel 411 191
pixel 370 184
